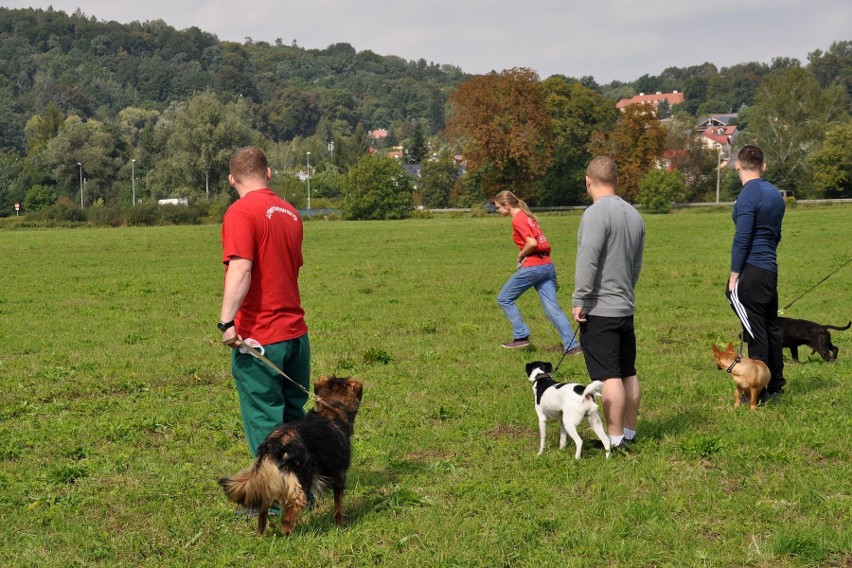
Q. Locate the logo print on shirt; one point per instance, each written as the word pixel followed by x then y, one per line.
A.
pixel 276 209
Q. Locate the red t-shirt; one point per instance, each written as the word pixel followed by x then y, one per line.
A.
pixel 524 226
pixel 267 230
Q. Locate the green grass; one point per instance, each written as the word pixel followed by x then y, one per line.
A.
pixel 118 412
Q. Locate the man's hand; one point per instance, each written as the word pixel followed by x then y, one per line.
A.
pixel 577 314
pixel 230 338
pixel 732 280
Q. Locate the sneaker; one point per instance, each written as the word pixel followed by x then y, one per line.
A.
pixel 518 343
pixel 767 397
pixel 575 351
pixel 625 447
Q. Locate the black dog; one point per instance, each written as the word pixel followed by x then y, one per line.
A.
pixel 298 456
pixel 796 332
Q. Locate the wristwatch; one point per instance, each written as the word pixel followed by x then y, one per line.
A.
pixel 225 325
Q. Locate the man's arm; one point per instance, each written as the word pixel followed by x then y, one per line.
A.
pixel 237 282
pixel 590 241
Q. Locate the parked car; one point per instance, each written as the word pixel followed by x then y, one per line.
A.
pixel 785 193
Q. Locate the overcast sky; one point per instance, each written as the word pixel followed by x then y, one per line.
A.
pixel 607 39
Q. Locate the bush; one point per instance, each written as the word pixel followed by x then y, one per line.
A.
pixel 180 214
pixel 39 197
pixel 142 215
pixel 104 216
pixel 377 188
pixel 64 210
pixel 659 190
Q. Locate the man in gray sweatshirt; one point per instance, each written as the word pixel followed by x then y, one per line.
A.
pixel 610 242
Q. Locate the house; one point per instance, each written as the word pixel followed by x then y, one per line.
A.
pixel 718 132
pixel 673 98
pixel 378 134
pixel 716 120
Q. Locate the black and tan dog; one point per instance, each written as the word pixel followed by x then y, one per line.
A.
pixel 299 456
pixel 796 332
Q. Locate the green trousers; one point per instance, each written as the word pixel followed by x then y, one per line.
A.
pixel 267 399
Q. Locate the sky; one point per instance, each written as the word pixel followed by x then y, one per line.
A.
pixel 606 39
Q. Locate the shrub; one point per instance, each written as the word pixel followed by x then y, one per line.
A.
pixel 660 189
pixel 63 210
pixel 142 215
pixel 104 216
pixel 39 197
pixel 377 188
pixel 180 214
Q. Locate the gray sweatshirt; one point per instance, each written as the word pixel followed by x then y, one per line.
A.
pixel 610 242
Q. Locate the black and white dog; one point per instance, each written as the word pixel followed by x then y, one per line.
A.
pixel 567 403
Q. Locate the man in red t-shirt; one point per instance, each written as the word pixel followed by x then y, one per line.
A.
pixel 262 252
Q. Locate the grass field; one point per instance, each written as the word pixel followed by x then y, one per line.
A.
pixel 118 412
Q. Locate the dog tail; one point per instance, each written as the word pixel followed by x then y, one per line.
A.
pixel 839 328
pixel 593 389
pixel 257 487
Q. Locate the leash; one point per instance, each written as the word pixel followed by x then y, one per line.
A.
pixel 564 353
pixel 238 343
pixel 782 310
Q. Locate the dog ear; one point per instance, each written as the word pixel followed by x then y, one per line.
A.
pixel 548 368
pixel 716 350
pixel 730 346
pixel 357 387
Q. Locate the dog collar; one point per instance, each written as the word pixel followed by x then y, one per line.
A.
pixel 736 360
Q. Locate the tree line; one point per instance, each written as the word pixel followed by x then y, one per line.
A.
pixel 95 112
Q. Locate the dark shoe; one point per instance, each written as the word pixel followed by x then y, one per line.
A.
pixel 575 351
pixel 624 447
pixel 767 397
pixel 518 343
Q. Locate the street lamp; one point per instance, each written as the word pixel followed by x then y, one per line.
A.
pixel 309 180
pixel 718 170
pixel 79 165
pixel 133 178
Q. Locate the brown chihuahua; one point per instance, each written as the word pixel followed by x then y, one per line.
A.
pixel 750 375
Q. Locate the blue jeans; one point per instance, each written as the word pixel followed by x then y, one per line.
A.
pixel 543 279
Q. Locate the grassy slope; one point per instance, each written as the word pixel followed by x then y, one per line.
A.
pixel 117 411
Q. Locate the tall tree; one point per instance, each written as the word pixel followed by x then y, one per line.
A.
pixel 502 124
pixel 418 149
pixel 636 144
pixel 576 113
pixel 437 178
pixel 788 121
pixel 832 163
pixel 199 138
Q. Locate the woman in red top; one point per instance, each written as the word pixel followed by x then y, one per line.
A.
pixel 535 270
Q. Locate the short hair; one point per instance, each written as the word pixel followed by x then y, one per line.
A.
pixel 750 158
pixel 603 170
pixel 248 163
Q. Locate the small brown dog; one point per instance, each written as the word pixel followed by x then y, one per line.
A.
pixel 299 456
pixel 750 375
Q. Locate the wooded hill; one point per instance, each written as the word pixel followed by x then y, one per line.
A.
pixel 143 91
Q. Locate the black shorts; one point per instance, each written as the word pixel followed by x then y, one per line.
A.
pixel 609 347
